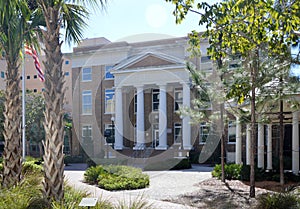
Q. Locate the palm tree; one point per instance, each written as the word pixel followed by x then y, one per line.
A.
pixel 69 14
pixel 14 16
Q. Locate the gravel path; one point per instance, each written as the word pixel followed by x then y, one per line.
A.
pixel 164 185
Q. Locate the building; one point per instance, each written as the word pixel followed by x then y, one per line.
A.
pixel 136 89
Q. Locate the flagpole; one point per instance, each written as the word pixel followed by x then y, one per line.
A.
pixel 23 108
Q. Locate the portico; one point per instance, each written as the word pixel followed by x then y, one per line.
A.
pixel 158 81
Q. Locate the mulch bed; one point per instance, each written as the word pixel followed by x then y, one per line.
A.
pixel 214 194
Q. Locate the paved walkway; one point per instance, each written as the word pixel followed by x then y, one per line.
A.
pixel 163 185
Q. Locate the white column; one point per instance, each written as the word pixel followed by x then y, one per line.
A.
pixel 118 119
pixel 295 143
pixel 162 118
pixel 260 146
pixel 238 142
pixel 269 148
pixel 248 144
pixel 186 126
pixel 140 127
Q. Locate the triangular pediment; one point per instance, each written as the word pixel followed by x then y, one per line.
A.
pixel 149 59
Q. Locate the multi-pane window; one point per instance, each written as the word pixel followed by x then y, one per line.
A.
pixel 204 132
pixel 109 101
pixel 87 102
pixel 177 133
pixel 86 74
pixel 177 99
pixel 108 75
pixel 87 133
pixel 155 99
pixel 231 132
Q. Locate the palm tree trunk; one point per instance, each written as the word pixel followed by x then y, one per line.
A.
pixel 12 160
pixel 54 95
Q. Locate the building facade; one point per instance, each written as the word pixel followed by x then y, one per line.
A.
pixel 137 89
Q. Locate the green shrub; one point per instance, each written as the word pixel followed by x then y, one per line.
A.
pixel 278 201
pixel 232 171
pixel 20 196
pixel 123 178
pixel 116 177
pixel 92 173
pixel 217 171
pixel 31 167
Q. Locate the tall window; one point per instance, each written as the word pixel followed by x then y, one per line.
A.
pixel 231 132
pixel 109 101
pixel 155 99
pixel 177 133
pixel 87 133
pixel 2 74
pixel 135 102
pixel 177 99
pixel 87 102
pixel 204 132
pixel 108 75
pixel 86 74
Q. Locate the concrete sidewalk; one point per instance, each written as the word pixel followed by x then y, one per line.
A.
pixel 164 185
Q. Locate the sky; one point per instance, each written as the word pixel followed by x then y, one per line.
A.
pixel 139 20
pixel 124 19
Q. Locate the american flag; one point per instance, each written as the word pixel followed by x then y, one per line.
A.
pixel 30 51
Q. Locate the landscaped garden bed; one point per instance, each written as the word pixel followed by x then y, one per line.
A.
pixel 116 177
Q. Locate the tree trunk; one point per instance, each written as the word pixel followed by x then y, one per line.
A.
pixel 281 142
pixel 54 95
pixel 12 154
pixel 254 68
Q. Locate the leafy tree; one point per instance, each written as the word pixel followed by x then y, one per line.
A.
pixel 69 15
pixel 252 30
pixel 35 107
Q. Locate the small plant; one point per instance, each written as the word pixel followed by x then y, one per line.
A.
pixel 232 171
pixel 138 203
pixel 92 173
pixel 278 201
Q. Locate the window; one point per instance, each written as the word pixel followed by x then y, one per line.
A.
pixel 204 132
pixel 87 133
pixel 86 74
pixel 28 77
pixel 108 75
pixel 35 77
pixel 231 132
pixel 67 73
pixel 177 133
pixel 87 102
pixel 43 89
pixel 2 74
pixel 21 77
pixel 177 99
pixel 135 102
pixel 34 90
pixel 67 62
pixel 109 101
pixel 155 99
